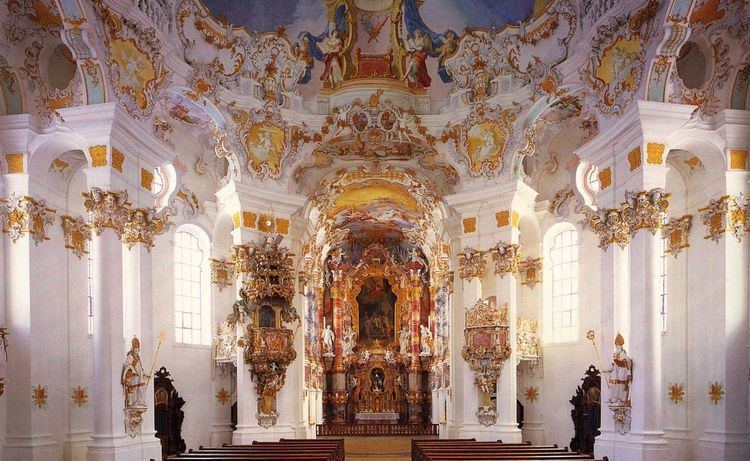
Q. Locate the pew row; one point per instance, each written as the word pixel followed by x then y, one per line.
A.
pixel 284 449
pixel 473 450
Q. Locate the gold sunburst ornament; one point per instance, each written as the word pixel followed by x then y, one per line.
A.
pixel 716 392
pixel 531 393
pixel 39 395
pixel 80 396
pixel 676 393
pixel 222 396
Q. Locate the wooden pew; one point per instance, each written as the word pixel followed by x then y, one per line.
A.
pixel 285 449
pixel 472 450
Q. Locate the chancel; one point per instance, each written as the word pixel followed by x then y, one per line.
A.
pixel 375 229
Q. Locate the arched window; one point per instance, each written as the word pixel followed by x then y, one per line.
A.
pixel 561 292
pixel 191 286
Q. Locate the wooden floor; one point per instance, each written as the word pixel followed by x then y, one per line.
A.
pixel 378 448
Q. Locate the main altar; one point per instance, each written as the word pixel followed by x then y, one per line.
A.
pixel 376 344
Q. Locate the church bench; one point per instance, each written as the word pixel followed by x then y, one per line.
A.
pixel 455 450
pixel 288 450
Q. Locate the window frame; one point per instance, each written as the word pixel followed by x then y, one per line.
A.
pixel 561 334
pixel 203 289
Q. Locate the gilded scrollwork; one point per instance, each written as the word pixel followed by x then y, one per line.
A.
pixel 482 139
pixel 530 271
pixel 222 273
pixel 107 209
pixel 642 210
pixel 143 225
pixel 471 263
pixel 77 235
pixel 25 215
pixel 675 232
pixel 506 258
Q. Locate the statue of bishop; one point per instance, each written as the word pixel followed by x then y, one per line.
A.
pixel 133 377
pixel 620 375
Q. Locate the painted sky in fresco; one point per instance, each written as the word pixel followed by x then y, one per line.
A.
pixel 299 15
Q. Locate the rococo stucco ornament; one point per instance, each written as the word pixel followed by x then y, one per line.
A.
pixel 485 349
pixel 506 257
pixel 530 271
pixel 471 263
pixel 641 210
pixel 143 225
pixel 222 273
pixel 107 209
pixel 676 232
pixel 25 215
pixel 77 235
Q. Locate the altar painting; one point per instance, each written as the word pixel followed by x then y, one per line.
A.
pixel 377 307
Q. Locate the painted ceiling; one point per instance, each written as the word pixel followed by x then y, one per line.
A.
pixel 300 15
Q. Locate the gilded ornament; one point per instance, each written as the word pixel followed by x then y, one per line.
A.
pixel 222 273
pixel 527 339
pixel 77 235
pixel 25 215
pixel 559 206
pixel 644 210
pixel 39 396
pixel 118 158
pixel 715 392
pixel 655 153
pixel 469 225
pixel 634 158
pixel 268 272
pixel 676 232
pixel 605 178
pixel 249 219
pixel 222 396
pixel 531 393
pixel 486 346
pixel 143 225
pixel 471 263
pixel 98 155
pixel 738 159
pixel 676 393
pixel 15 162
pixel 147 179
pixel 506 258
pixel 80 396
pixel 107 209
pixel 531 272
pixel 502 218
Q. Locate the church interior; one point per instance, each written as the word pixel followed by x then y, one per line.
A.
pixel 375 229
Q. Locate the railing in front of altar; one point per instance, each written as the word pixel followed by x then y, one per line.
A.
pixel 375 429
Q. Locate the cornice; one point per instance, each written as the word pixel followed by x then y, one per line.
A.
pixel 247 197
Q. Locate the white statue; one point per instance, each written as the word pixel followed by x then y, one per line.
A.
pixel 328 338
pixel 620 374
pixel 133 377
pixel 348 343
pixel 404 340
pixel 425 340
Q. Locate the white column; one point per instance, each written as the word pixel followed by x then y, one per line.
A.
pixel 605 338
pixel 139 308
pixel 221 419
pixel 646 437
pixel 28 434
pixel 109 439
pixel 466 394
pixel 506 427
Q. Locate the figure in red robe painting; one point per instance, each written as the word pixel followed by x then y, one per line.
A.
pixel 332 47
pixel 417 48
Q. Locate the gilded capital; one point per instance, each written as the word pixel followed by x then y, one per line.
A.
pixel 506 257
pixel 471 263
pixel 107 209
pixel 77 234
pixel 644 210
pixel 143 225
pixel 531 272
pixel 222 273
pixel 675 233
pixel 715 217
pixel 25 215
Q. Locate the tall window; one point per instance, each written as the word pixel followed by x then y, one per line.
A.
pixel 663 281
pixel 191 285
pixel 90 290
pixel 561 294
